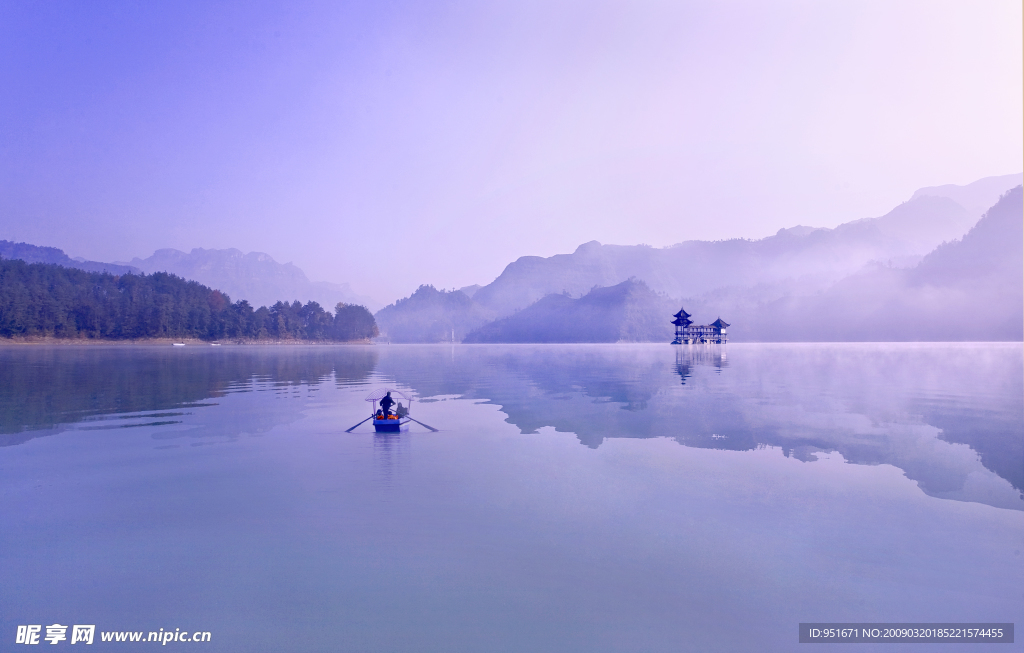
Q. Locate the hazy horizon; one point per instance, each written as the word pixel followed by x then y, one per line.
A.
pixel 473 135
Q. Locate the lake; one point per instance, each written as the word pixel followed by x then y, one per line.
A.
pixel 575 497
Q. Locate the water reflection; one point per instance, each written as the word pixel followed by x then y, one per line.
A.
pixel 390 451
pixel 948 415
pixel 689 355
pixel 43 388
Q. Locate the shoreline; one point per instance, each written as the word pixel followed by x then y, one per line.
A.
pixel 193 342
pixel 189 342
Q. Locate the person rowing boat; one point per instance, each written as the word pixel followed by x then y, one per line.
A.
pixel 386 403
pixel 384 419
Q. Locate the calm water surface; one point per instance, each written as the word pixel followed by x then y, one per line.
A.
pixel 576 498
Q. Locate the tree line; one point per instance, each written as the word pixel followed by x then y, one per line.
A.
pixel 41 299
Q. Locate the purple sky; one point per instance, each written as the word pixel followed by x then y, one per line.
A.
pixel 390 144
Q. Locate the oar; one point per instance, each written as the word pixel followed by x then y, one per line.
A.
pixel 360 423
pixel 421 424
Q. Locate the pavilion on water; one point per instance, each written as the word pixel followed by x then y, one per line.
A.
pixel 688 333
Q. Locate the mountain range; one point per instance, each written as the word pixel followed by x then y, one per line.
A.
pixel 36 254
pixel 967 289
pixel 902 276
pixel 798 260
pixel 255 277
pixel 764 287
pixel 625 312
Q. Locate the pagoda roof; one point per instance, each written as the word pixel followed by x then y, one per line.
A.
pixel 720 323
pixel 682 314
pixel 681 321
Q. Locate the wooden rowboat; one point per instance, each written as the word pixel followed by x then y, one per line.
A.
pixel 394 422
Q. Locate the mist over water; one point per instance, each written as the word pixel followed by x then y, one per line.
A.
pixel 577 497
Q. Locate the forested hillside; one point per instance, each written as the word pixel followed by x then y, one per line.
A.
pixel 40 299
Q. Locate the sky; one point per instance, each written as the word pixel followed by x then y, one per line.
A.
pixel 392 144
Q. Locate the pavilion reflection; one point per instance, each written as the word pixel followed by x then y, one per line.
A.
pixel 688 356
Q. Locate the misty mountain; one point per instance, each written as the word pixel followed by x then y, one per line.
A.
pixel 431 315
pixel 797 260
pixel 52 255
pixel 976 197
pixel 626 312
pixel 990 253
pixel 255 276
pixel 969 289
pixel 784 287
